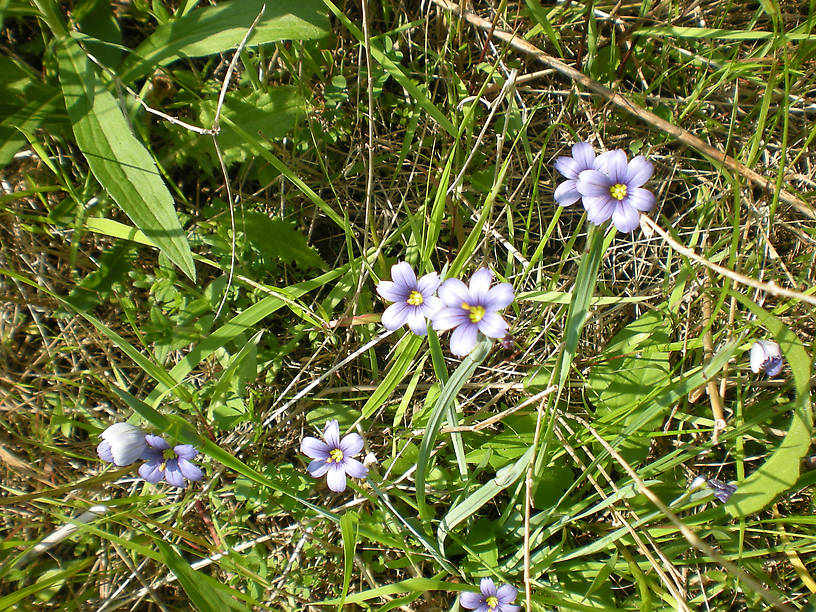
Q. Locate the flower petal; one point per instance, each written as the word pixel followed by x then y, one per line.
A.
pixel 336 478
pixel 431 306
pixel 764 353
pixel 173 475
pixel 190 470
pixel 150 471
pixel 639 171
pixel 331 434
pixel 488 587
pixel 500 296
pixel 626 218
pixel 602 161
pixel 354 468
pixel 568 167
pixel 480 285
pixel 318 467
pixel 599 209
pixel 566 193
pixel 126 443
pixel 104 451
pixel 471 600
pixel 391 292
pixel 593 183
pixel 616 167
pixel 395 316
pixel 185 451
pixel 416 321
pixel 463 339
pixel 403 276
pixel 640 198
pixel 314 448
pixel 448 318
pixel 152 454
pixel 510 608
pixel 351 444
pixel 584 154
pixel 428 284
pixel 157 442
pixel 493 325
pixel 506 593
pixel 453 292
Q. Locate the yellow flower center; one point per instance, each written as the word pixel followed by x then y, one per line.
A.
pixel 335 455
pixel 415 298
pixel 618 191
pixel 492 602
pixel 477 313
pixel 167 454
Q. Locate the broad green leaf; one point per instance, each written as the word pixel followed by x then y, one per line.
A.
pixel 117 159
pixel 277 240
pixel 271 114
pixel 205 592
pixel 781 470
pixel 26 104
pixel 215 29
pixel 96 19
pixel 634 363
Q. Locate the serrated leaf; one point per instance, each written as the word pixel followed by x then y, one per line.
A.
pixel 216 29
pixel 117 159
pixel 278 240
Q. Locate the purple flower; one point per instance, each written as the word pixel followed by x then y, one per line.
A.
pixel 722 491
pixel 490 599
pixel 472 309
pixel 334 456
pixel 583 158
pixel 414 301
pixel 766 357
pixel 615 190
pixel 172 464
pixel 122 444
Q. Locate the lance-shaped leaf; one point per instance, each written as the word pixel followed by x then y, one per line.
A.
pixel 215 29
pixel 120 163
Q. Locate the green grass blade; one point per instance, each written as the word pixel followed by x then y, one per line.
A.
pixel 348 529
pixel 404 354
pixel 204 591
pixel 446 397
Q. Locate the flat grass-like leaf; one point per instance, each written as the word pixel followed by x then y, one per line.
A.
pixel 446 397
pixel 216 29
pixel 781 470
pixel 348 529
pixel 120 163
pixel 205 592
